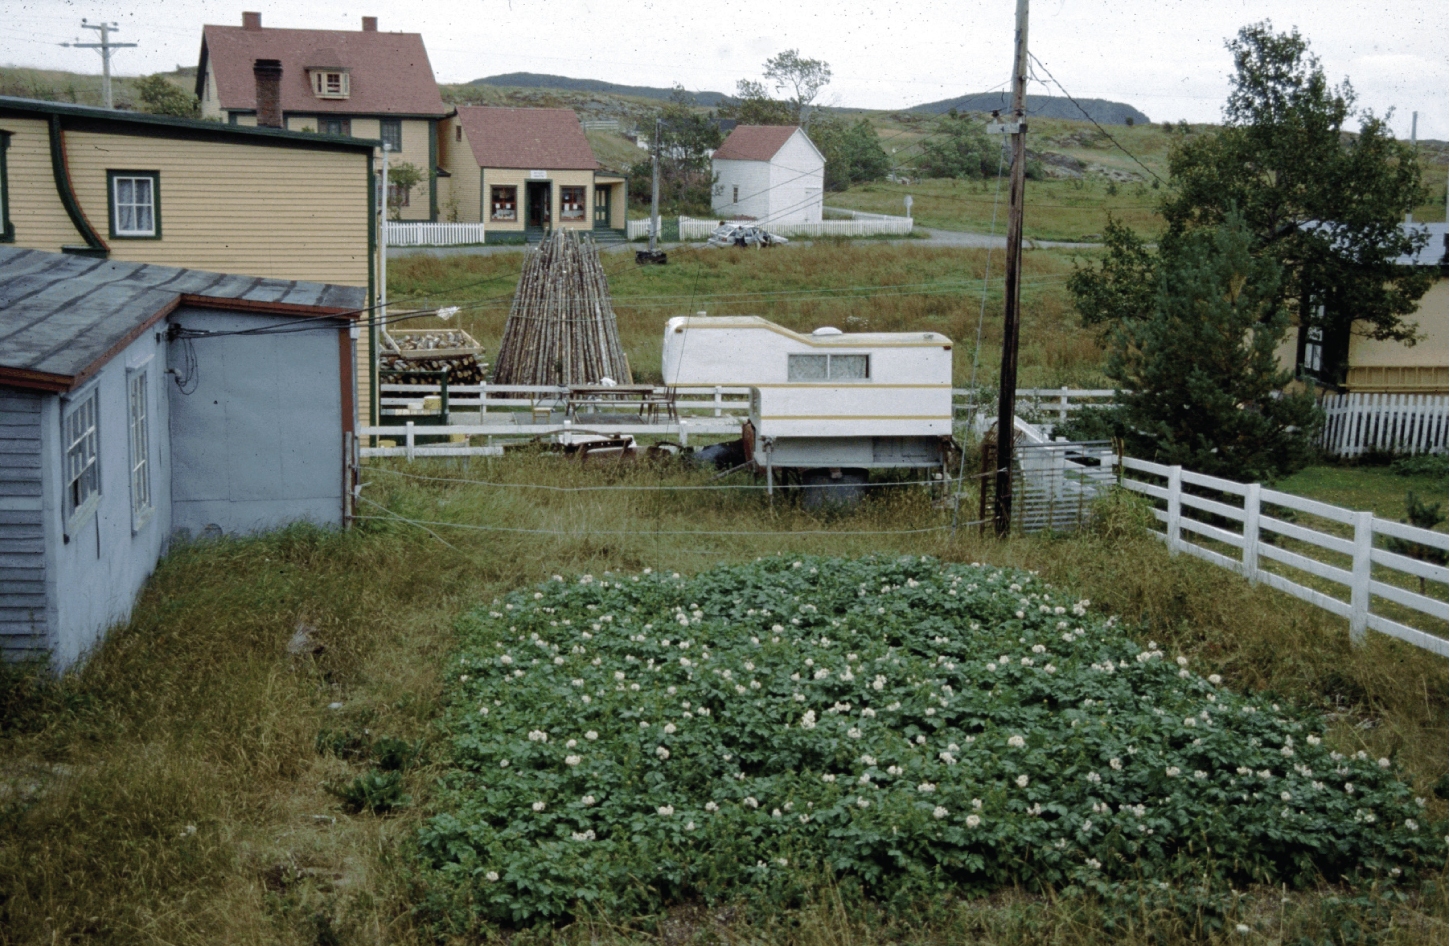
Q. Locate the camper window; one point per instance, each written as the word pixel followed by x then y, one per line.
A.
pixel 828 367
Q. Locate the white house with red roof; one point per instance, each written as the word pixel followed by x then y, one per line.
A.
pixel 361 84
pixel 525 171
pixel 768 173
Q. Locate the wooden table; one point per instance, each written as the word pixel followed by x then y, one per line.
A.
pixel 644 398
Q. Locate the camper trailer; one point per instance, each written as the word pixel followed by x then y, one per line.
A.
pixel 830 404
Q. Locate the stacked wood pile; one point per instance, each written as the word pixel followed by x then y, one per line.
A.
pixel 561 328
pixel 453 350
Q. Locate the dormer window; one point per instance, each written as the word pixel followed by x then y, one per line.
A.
pixel 330 83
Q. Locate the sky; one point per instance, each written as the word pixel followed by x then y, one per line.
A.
pixel 1166 58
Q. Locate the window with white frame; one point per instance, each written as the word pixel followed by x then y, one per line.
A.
pixel 140 425
pixel 80 433
pixel 828 367
pixel 135 210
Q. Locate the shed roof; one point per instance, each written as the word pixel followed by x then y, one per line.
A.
pixel 389 73
pixel 755 142
pixel 542 138
pixel 62 317
pixel 1436 248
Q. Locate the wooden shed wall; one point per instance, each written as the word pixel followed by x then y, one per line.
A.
pixel 24 628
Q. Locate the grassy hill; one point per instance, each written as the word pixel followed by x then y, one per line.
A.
pixel 535 80
pixel 1039 107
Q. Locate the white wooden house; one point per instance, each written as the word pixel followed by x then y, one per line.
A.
pixel 768 173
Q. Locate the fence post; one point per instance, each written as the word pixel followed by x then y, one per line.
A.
pixel 1175 507
pixel 717 400
pixel 1359 587
pixel 1062 407
pixel 1251 533
pixel 409 441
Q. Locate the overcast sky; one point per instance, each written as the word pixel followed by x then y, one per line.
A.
pixel 1165 58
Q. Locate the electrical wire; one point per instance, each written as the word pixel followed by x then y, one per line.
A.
pixel 1095 121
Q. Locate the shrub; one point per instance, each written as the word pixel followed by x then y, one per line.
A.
pixel 374 791
pixel 625 743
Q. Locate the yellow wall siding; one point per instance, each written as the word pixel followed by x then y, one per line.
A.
pixel 210 104
pixel 557 179
pixel 300 122
pixel 249 121
pixel 39 217
pixel 1395 366
pixel 457 158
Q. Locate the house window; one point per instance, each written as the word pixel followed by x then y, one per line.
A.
pixel 735 194
pixel 330 83
pixel 571 203
pixel 7 229
pixel 505 203
pixel 81 436
pixel 135 204
pixel 828 367
pixel 140 426
pixel 457 132
pixel 398 195
pixel 335 126
pixel 391 131
pixel 1314 349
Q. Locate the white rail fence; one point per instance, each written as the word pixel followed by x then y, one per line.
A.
pixel 1356 424
pixel 1369 574
pixel 692 228
pixel 433 234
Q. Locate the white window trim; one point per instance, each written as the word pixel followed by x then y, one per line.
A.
pixel 116 204
pixel 77 516
pixel 143 504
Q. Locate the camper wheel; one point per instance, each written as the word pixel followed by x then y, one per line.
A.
pixel 832 487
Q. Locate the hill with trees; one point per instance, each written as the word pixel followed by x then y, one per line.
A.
pixel 536 80
pixel 1040 106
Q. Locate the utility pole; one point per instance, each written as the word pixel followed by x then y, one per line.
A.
pixel 653 255
pixel 1007 397
pixel 105 46
pixel 1415 152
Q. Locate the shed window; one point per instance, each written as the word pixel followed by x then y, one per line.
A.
pixel 828 367
pixel 391 131
pixel 81 435
pixel 135 204
pixel 571 203
pixel 505 203
pixel 140 425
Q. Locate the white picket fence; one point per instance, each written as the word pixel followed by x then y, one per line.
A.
pixel 433 234
pixel 639 229
pixel 1355 424
pixel 1242 504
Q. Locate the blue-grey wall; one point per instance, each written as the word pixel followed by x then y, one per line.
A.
pixel 258 443
pixel 25 618
pixel 102 562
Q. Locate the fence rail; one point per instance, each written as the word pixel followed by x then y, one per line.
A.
pixel 433 234
pixel 1356 424
pixel 692 228
pixel 1234 516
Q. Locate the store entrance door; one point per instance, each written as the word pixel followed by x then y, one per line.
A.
pixel 538 197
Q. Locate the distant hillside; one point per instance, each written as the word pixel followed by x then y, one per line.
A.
pixel 1041 106
pixel 535 80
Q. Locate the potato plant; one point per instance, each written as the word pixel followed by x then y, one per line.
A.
pixel 623 742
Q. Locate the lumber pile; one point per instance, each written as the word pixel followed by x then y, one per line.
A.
pixel 561 328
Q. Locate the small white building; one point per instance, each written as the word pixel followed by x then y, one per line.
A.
pixel 768 173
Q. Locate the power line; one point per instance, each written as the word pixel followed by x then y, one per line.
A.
pixel 1095 122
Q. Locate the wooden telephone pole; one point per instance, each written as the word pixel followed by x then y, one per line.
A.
pixel 1007 398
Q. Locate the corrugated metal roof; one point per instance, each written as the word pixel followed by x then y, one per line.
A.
pixel 389 73
pixel 1434 251
pixel 64 315
pixel 755 142
pixel 541 138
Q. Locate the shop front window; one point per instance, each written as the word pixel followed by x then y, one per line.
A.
pixel 571 204
pixel 505 202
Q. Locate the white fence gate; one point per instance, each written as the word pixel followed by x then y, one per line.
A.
pixel 1370 574
pixel 1355 424
pixel 433 234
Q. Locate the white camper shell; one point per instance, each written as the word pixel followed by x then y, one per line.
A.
pixel 828 399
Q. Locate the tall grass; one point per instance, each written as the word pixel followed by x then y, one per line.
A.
pixel 194 715
pixel 835 283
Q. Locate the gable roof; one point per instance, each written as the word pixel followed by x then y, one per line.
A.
pixel 62 317
pixel 543 138
pixel 755 142
pixel 389 72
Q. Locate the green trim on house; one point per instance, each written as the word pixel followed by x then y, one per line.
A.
pixel 155 176
pixel 94 243
pixel 7 229
pixel 433 171
pixel 372 319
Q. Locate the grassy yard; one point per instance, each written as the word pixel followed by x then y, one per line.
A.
pixel 854 286
pixel 174 789
pixel 1378 489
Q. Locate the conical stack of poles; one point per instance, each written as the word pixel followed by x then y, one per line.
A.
pixel 561 328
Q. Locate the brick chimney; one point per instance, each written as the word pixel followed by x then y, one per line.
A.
pixel 251 21
pixel 269 92
pixel 370 24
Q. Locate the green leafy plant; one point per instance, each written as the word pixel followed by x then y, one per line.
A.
pixel 623 743
pixel 1425 464
pixel 393 754
pixel 374 791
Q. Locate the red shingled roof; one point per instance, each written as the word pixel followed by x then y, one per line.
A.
pixel 389 72
pixel 755 142
pixel 543 138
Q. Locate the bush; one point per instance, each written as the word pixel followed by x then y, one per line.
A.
pixel 626 743
pixel 1426 464
pixel 374 791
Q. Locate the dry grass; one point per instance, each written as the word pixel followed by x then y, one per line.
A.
pixel 194 714
pixel 856 287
